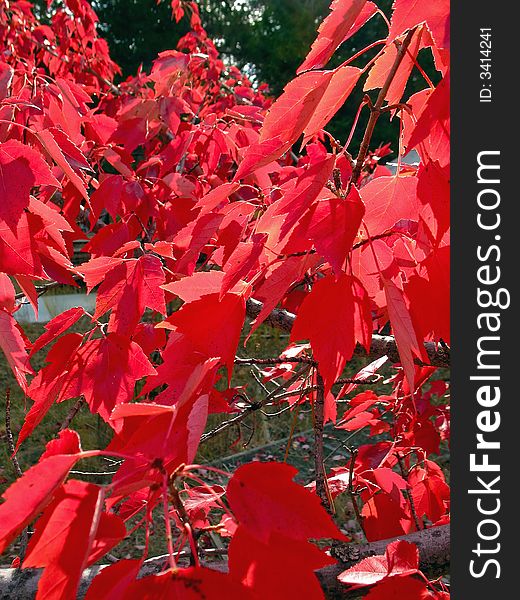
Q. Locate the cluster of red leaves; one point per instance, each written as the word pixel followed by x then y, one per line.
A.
pixel 185 184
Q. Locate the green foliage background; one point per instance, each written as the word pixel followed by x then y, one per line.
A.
pixel 268 39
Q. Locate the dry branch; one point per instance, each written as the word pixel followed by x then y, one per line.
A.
pixel 434 559
pixel 319 456
pixel 439 356
pixel 433 544
pixel 382 345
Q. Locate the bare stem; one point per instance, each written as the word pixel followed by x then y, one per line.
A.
pixel 351 492
pixel 24 537
pixel 407 494
pixel 186 524
pixel 250 409
pixel 319 456
pixel 375 110
pixel 72 413
pixel 273 361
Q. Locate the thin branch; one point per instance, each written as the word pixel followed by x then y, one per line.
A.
pixel 167 522
pixel 375 110
pixel 275 396
pixel 9 434
pixel 291 433
pixel 93 473
pixel 72 413
pixel 344 380
pixel 273 361
pixel 24 537
pixel 407 494
pixel 247 411
pixel 258 381
pixel 186 524
pixel 313 388
pixel 319 455
pixel 297 392
pixel 351 492
pixel 354 247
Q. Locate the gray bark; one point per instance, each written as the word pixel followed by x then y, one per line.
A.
pixel 438 355
pixel 434 559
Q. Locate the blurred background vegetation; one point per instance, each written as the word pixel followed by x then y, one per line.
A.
pixel 267 39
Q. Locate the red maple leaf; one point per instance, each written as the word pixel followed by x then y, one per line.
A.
pixel 21 169
pixel 266 501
